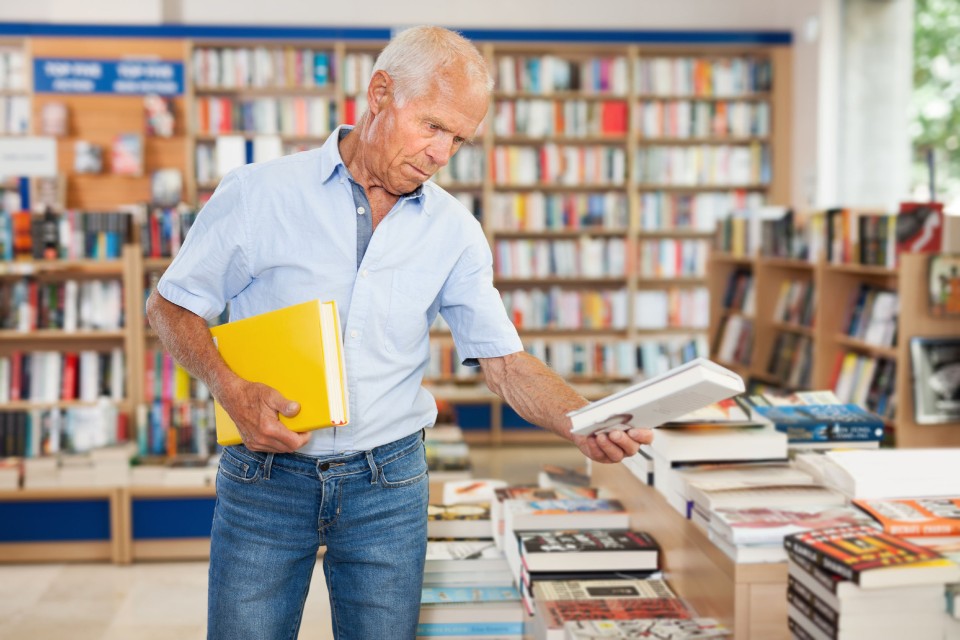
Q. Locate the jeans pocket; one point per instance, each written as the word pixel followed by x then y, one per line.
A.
pixel 407 469
pixel 239 468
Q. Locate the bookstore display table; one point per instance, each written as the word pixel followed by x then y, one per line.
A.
pixel 749 598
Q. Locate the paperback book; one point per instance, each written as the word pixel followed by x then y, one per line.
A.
pixel 766 525
pixel 588 550
pixel 871 558
pixel 459 521
pixel 915 517
pixel 660 399
pixel 659 629
pixel 824 423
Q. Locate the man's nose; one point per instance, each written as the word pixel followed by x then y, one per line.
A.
pixel 440 151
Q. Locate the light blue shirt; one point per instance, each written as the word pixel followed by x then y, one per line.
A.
pixel 283 232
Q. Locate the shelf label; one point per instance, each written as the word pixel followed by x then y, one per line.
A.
pixel 120 77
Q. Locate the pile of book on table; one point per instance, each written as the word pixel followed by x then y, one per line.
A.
pixel 545 562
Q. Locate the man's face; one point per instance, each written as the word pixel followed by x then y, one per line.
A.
pixel 414 141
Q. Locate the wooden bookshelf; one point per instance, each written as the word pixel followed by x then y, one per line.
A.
pixel 98 118
pixel 835 289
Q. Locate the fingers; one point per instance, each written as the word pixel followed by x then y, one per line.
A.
pixel 616 445
pixel 269 434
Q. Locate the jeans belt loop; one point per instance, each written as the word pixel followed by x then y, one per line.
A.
pixel 267 466
pixel 374 470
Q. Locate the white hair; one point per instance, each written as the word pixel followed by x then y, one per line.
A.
pixel 414 57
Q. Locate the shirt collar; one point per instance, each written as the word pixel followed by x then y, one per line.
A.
pixel 331 162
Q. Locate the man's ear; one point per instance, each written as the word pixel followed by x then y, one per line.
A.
pixel 379 91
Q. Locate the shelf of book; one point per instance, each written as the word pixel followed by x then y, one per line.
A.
pixel 99 118
pixel 748 598
pixel 916 321
pixel 59 335
pixel 864 370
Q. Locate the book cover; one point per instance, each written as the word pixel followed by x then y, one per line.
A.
pixel 917 517
pixel 584 590
pixel 936 379
pixel 944 285
pixel 588 550
pixel 520 515
pixel 459 521
pixel 767 525
pixel 871 558
pixel 297 350
pixel 919 227
pixel 126 155
pixel 660 399
pixel 471 491
pixel 558 612
pixel 658 629
pixel 166 187
pixel 463 595
pixel 824 423
pixel 87 157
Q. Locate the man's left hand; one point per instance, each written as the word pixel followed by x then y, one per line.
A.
pixel 613 446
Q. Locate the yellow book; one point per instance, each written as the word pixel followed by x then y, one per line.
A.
pixel 296 350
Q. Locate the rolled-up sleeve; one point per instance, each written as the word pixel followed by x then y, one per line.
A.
pixel 212 265
pixel 471 305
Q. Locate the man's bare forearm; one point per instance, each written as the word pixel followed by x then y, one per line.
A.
pixel 533 390
pixel 186 336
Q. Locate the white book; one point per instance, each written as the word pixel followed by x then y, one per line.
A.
pixel 720 444
pixel 231 153
pixel 768 496
pixel 893 473
pixel 660 399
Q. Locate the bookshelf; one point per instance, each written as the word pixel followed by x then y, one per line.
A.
pixel 835 290
pixel 555 171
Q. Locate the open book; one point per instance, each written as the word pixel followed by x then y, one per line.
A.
pixel 660 399
pixel 296 350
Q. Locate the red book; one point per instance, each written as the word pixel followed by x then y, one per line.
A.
pixel 71 364
pixel 919 227
pixel 350 111
pixel 16 371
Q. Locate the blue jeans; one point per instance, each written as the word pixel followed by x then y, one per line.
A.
pixel 275 511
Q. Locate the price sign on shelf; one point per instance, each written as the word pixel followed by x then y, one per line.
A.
pixel 120 77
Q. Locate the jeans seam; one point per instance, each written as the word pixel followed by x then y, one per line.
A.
pixel 333 602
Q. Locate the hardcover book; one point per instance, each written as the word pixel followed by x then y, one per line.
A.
pixel 660 399
pixel 871 558
pixel 588 550
pixel 298 351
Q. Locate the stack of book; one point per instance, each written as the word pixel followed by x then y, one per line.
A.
pixel 459 612
pixel 858 582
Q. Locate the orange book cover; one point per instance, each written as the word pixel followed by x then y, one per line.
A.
pixel 915 517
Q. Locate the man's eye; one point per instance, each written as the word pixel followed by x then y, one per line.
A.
pixel 458 141
pixel 433 126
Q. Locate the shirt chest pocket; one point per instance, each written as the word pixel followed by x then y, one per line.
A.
pixel 413 296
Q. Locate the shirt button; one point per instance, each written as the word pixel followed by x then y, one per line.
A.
pixel 364 273
pixel 361 210
pixel 354 334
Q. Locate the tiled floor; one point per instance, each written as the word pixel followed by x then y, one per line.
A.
pixel 167 601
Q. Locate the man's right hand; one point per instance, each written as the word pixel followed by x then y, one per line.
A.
pixel 254 407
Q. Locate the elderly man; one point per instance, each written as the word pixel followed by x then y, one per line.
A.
pixel 357 221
